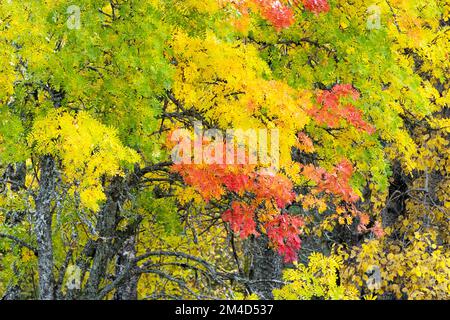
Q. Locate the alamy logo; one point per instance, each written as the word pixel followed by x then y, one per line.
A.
pixel 374 17
pixel 234 146
pixel 74 20
pixel 73 277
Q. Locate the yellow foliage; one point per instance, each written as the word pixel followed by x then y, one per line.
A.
pixel 225 81
pixel 88 150
pixel 418 270
pixel 316 280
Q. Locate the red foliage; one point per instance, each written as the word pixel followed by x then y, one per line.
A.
pixel 331 111
pixel 336 182
pixel 206 181
pixel 241 219
pixel 316 6
pixel 213 181
pixel 283 232
pixel 280 15
pixel 269 191
pixel 237 182
pixel 277 187
pixel 305 143
pixel 345 90
pixel 377 229
pixel 278 12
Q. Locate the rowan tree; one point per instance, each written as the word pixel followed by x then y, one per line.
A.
pixel 94 95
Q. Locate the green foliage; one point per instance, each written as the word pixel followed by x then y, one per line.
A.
pixel 358 91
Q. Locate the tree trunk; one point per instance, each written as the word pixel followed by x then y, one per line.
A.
pixel 43 226
pixel 12 293
pixel 127 290
pixel 106 229
pixel 266 267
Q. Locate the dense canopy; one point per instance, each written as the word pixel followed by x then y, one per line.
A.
pixel 119 180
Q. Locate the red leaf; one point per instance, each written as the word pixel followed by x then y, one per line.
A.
pixel 330 110
pixel 283 232
pixel 280 15
pixel 237 182
pixel 241 219
pixel 335 182
pixel 278 188
pixel 316 6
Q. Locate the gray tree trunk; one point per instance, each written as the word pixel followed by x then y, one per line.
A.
pixel 266 267
pixel 45 199
pixel 127 290
pixel 12 293
pixel 106 229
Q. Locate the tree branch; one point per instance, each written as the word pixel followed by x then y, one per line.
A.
pixel 20 242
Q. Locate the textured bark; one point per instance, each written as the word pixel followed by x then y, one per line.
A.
pixel 82 262
pixel 397 195
pixel 127 290
pixel 18 179
pixel 112 242
pixel 43 226
pixel 266 268
pixel 12 293
pixel 106 229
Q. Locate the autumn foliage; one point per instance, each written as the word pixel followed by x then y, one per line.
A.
pixel 109 189
pixel 331 109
